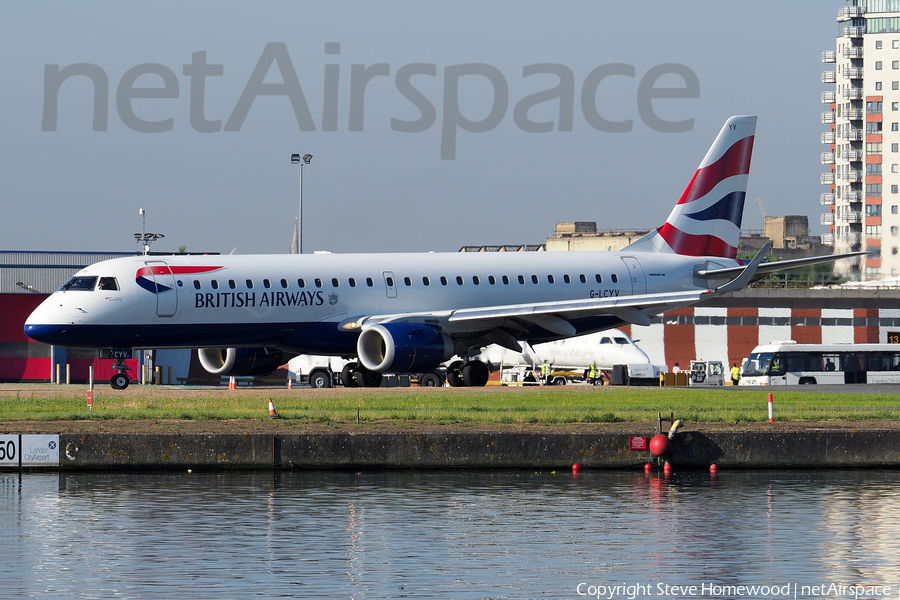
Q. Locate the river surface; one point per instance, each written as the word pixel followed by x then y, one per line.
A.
pixel 450 534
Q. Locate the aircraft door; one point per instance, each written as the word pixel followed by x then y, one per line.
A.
pixel 390 284
pixel 636 274
pixel 166 295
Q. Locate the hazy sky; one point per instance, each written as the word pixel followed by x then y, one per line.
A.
pixel 221 178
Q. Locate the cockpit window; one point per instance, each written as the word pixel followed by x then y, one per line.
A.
pixel 82 284
pixel 621 340
pixel 108 284
pixel 605 340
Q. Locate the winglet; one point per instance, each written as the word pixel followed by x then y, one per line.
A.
pixel 741 281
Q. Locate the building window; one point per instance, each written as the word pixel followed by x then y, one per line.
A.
pixel 873 107
pixel 878 86
pixel 873 147
pixel 873 168
pixel 895 85
pixel 893 147
pixel 878 44
pixel 893 209
pixel 877 65
pixel 895 64
pixel 873 128
pixel 894 126
pixel 873 231
pixel 873 210
pixel 894 232
pixel 895 44
pixel 894 188
pixel 873 189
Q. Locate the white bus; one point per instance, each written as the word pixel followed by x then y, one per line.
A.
pixel 790 363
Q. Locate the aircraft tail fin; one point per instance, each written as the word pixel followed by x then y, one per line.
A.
pixel 707 219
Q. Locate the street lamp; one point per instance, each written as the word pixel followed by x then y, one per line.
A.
pixel 144 237
pixel 296 159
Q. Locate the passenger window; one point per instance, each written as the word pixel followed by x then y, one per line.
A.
pixel 389 281
pixel 567 279
pixel 491 280
pixel 284 283
pixel 196 285
pixel 534 279
pixel 318 282
pixel 232 284
pixel 369 282
pixel 443 280
pixel 598 278
pixel 459 280
pixel 266 283
pixel 582 278
pixel 550 279
pixel 407 281
pixel 249 284
pixel 505 280
pixel 521 279
pixel 301 283
pixel 214 284
pixel 352 282
pixel 425 281
pixel 614 278
pixel 335 282
pixel 475 280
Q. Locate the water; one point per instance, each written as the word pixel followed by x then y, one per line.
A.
pixel 509 534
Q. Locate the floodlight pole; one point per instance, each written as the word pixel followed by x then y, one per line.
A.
pixel 296 159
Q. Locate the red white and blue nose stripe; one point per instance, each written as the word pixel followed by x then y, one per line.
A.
pixel 153 277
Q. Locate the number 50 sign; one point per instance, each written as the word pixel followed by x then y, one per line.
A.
pixel 9 450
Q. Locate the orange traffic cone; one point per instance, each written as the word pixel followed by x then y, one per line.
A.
pixel 272 413
pixel 290 382
pixel 231 384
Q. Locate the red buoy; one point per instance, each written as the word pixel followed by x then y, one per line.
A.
pixel 647 468
pixel 667 468
pixel 660 445
pixel 576 468
pixel 712 469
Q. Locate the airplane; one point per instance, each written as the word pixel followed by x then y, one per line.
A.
pixel 409 312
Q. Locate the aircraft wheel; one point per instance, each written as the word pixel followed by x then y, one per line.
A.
pixel 119 381
pixel 348 375
pixel 320 379
pixel 454 377
pixel 430 380
pixel 475 374
pixel 367 378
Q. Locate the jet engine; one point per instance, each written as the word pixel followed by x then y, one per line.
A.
pixel 240 362
pixel 403 348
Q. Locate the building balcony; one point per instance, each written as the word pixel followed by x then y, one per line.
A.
pixel 852 72
pixel 850 12
pixel 854 114
pixel 828 137
pixel 827 97
pixel 826 178
pixel 827 219
pixel 827 118
pixel 851 196
pixel 853 94
pixel 827 158
pixel 827 199
pixel 852 217
pixel 829 56
pixel 852 134
pixel 852 175
pixel 829 77
pixel 854 31
pixel 828 239
pixel 853 52
pixel 852 155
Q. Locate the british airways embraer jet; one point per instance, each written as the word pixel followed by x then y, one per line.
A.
pixel 410 312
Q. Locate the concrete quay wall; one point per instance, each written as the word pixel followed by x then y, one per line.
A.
pixel 691 449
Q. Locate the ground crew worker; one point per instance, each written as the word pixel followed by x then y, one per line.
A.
pixel 545 371
pixel 592 373
pixel 735 374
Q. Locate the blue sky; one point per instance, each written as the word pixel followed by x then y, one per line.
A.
pixel 379 189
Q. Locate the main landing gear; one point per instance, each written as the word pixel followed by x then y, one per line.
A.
pixel 356 375
pixel 120 380
pixel 473 373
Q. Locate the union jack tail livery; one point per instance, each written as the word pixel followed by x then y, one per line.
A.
pixel 707 219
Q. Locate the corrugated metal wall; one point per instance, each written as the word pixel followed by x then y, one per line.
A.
pixel 45 272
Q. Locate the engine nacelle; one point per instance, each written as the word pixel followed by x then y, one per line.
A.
pixel 403 348
pixel 240 362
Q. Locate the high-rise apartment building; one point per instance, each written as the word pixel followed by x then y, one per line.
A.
pixel 863 141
